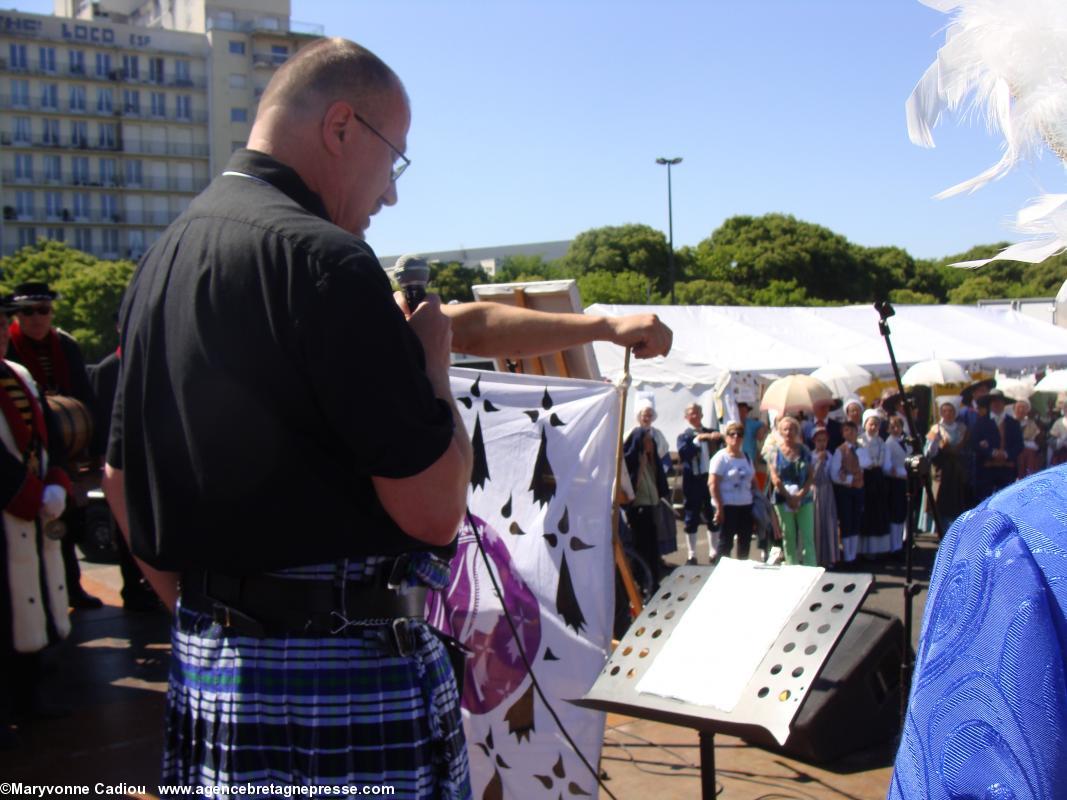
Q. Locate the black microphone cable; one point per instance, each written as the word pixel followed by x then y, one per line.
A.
pixel 526 661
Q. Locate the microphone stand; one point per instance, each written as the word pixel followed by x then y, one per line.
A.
pixel 919 480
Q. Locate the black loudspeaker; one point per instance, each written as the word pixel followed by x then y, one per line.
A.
pixel 855 702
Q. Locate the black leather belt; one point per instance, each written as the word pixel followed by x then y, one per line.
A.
pixel 268 605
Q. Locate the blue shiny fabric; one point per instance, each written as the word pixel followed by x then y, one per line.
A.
pixel 987 718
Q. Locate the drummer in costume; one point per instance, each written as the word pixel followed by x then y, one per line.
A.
pixel 33 599
pixel 55 361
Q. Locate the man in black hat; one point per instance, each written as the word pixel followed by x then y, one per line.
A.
pixel 56 363
pixel 969 397
pixel 997 440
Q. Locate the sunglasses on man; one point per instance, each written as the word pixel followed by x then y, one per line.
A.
pixel 43 311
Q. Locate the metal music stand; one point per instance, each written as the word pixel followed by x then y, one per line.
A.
pixel 775 692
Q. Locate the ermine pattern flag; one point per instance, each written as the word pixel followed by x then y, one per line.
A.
pixel 540 499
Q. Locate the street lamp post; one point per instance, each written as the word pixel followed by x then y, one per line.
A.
pixel 670 162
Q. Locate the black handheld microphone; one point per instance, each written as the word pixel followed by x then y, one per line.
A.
pixel 412 273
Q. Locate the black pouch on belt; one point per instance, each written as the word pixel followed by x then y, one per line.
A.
pixel 457 656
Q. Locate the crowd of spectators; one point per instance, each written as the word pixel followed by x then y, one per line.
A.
pixel 837 477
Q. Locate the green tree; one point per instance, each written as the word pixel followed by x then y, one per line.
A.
pixel 90 290
pixel 751 252
pixel 453 281
pixel 625 248
pixel 602 286
pixel 708 293
pixel 911 297
pixel 514 269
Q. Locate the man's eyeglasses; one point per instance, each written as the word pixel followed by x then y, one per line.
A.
pixel 405 162
pixel 43 311
pixel 733 434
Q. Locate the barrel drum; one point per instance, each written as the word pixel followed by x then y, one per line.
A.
pixel 74 422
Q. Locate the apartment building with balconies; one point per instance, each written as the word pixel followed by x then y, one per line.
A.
pixel 113 115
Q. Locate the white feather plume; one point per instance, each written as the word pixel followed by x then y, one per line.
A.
pixel 1005 60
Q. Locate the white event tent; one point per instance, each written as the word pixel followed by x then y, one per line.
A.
pixel 747 341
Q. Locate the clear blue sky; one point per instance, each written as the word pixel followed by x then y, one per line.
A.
pixel 535 120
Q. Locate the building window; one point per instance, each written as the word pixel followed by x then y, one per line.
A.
pixel 50 96
pixel 105 135
pixel 77 98
pixel 23 167
pixel 17 57
pixel 111 242
pixel 134 171
pixel 77 62
pixel 131 67
pixel 159 104
pixel 83 239
pixel 103 65
pixel 55 234
pixel 104 101
pixel 279 53
pixel 24 205
pixel 27 237
pixel 23 130
pixel 155 70
pixel 79 135
pixel 183 107
pixel 46 59
pixel 131 101
pixel 79 169
pixel 53 169
pixel 181 73
pixel 237 48
pixel 108 172
pixel 238 115
pixel 53 205
pixel 109 208
pixel 238 81
pixel 81 206
pixel 20 93
pixel 136 241
pixel 50 132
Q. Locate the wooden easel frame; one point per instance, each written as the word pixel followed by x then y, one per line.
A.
pixel 575 362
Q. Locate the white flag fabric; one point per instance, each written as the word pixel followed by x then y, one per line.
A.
pixel 540 499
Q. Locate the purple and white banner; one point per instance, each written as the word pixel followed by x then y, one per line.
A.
pixel 544 462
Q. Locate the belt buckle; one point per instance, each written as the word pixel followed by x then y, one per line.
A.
pixel 233 620
pixel 402 638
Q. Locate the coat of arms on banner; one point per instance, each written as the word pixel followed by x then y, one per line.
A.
pixel 540 500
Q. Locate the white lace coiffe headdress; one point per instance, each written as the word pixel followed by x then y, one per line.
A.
pixel 1006 60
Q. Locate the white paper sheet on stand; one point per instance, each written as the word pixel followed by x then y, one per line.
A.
pixel 726 632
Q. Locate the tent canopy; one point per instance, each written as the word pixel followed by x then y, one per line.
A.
pixel 710 341
pixel 779 341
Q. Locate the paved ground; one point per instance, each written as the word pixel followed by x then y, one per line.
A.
pixel 113 671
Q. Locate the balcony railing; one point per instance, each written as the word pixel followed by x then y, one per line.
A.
pixel 266 25
pixel 147 184
pixel 34 104
pixel 144 78
pixel 269 59
pixel 94 216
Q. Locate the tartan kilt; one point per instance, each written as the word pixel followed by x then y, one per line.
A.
pixel 341 711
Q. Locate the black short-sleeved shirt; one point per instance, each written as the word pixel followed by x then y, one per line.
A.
pixel 267 374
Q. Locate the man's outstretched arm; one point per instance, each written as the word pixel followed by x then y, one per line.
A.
pixel 498 330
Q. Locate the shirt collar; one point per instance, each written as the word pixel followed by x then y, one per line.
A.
pixel 283 178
